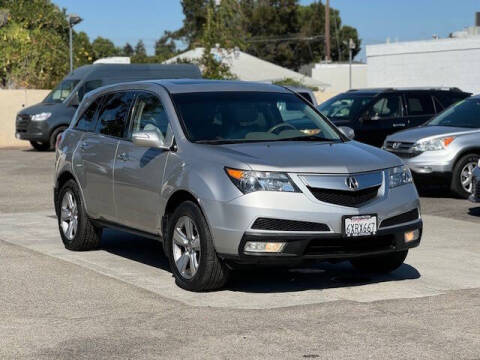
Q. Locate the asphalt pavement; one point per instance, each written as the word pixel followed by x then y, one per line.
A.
pixel 121 301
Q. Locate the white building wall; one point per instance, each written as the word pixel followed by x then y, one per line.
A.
pixel 444 62
pixel 337 75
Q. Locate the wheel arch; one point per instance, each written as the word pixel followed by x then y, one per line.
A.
pixel 174 201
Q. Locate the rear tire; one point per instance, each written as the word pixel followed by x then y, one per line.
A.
pixel 77 231
pixel 382 264
pixel 461 171
pixel 202 270
pixel 40 146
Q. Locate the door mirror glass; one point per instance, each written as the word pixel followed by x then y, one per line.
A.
pixel 149 138
pixel 347 131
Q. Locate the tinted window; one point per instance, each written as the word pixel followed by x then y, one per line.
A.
pixel 345 106
pixel 419 104
pixel 114 114
pixel 389 106
pixel 87 120
pixel 249 116
pixel 450 98
pixel 149 114
pixel 306 96
pixel 464 114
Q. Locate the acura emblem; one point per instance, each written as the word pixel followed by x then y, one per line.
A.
pixel 352 183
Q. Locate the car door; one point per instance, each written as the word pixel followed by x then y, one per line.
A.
pixel 139 170
pixel 419 108
pixel 383 117
pixel 98 152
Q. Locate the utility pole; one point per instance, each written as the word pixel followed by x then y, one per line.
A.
pixel 351 47
pixel 327 30
pixel 72 21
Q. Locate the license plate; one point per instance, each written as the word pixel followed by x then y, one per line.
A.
pixel 364 225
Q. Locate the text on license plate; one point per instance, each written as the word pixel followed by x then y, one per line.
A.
pixel 360 225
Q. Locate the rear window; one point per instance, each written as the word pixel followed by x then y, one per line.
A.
pixel 419 104
pixel 447 98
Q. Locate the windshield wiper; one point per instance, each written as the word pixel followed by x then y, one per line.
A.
pixel 308 138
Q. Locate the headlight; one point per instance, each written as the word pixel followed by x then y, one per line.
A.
pixel 399 175
pixel 249 181
pixel 41 117
pixel 433 144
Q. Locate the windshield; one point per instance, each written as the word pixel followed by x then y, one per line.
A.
pixel 61 92
pixel 465 114
pixel 235 117
pixel 345 106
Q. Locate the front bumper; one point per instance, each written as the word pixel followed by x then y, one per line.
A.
pixel 429 162
pixel 300 248
pixel 26 129
pixel 232 222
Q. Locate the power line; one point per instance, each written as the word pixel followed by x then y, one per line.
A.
pixel 290 38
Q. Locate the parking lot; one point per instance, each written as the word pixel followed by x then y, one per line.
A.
pixel 121 301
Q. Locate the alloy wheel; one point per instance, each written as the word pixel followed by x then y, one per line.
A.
pixel 69 215
pixel 466 176
pixel 186 247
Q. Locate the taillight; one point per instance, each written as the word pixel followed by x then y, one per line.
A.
pixel 59 139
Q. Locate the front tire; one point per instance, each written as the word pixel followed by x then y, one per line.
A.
pixel 54 136
pixel 462 175
pixel 191 254
pixel 382 264
pixel 76 229
pixel 40 146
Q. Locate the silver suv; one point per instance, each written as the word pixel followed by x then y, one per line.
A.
pixel 227 173
pixel 448 146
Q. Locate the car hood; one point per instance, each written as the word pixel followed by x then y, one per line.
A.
pixel 308 157
pixel 40 108
pixel 416 134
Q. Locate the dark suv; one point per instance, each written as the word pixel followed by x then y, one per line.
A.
pixel 375 113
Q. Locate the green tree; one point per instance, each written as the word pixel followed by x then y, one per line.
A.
pixel 103 47
pixel 34 44
pixel 128 50
pixel 165 47
pixel 83 53
pixel 213 34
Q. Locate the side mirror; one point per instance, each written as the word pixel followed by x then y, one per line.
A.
pixel 75 101
pixel 149 139
pixel 348 132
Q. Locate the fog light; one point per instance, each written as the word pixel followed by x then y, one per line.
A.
pixel 412 236
pixel 264 247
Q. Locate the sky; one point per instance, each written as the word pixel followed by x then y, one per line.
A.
pixel 376 20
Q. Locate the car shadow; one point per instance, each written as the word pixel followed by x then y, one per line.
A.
pixel 475 211
pixel 311 276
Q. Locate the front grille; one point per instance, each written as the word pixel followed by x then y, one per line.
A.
pixel 350 245
pixel 398 146
pixel 287 225
pixel 22 122
pixel 345 198
pixel 400 219
pixel 401 149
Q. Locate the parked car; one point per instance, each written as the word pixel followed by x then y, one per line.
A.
pixel 475 197
pixel 42 123
pixel 212 169
pixel 448 145
pixel 305 92
pixel 376 113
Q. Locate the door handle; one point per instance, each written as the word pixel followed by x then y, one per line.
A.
pixel 123 156
pixel 399 125
pixel 83 146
